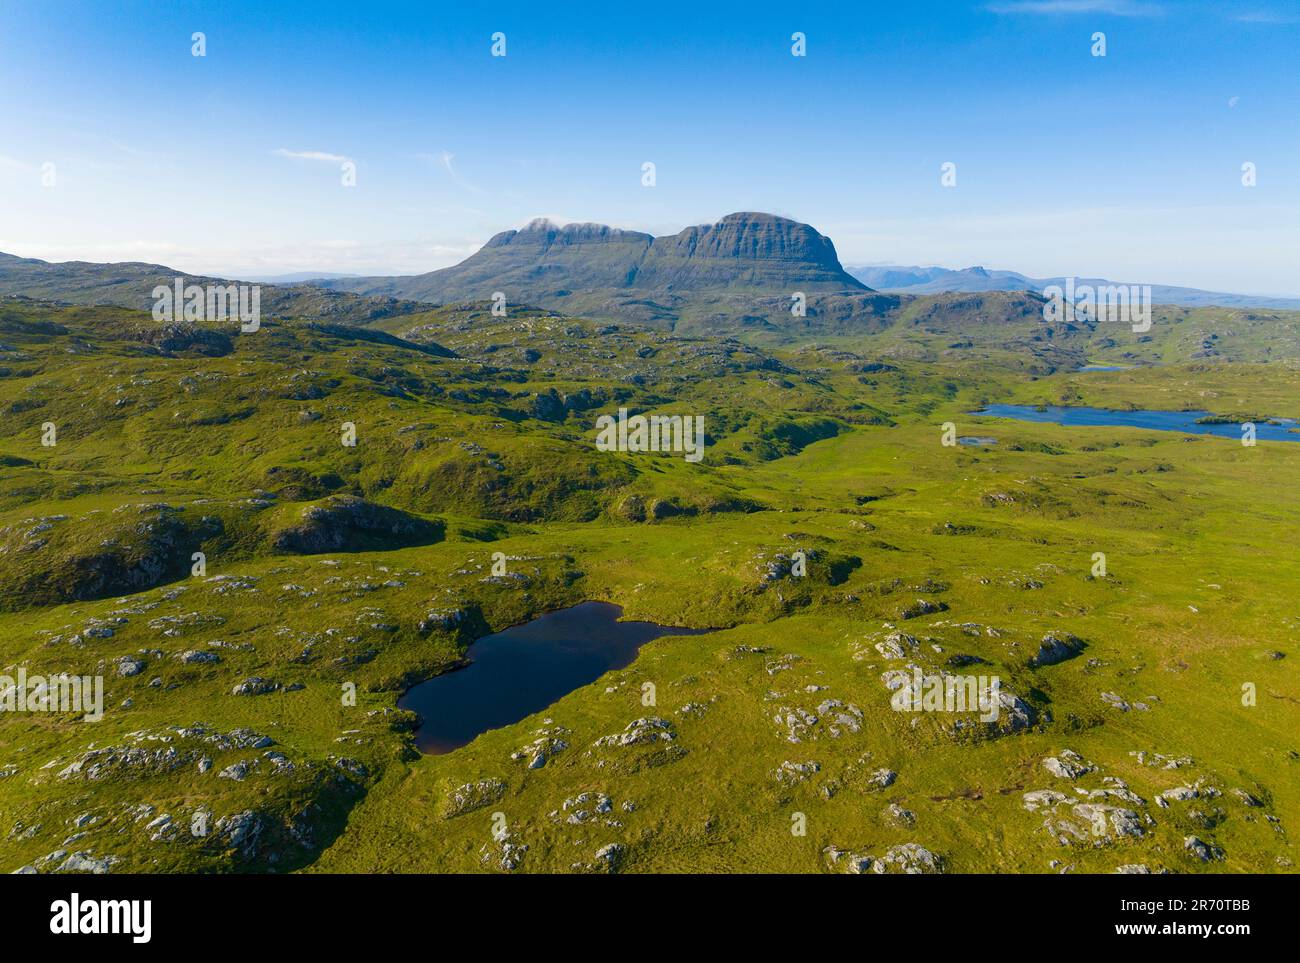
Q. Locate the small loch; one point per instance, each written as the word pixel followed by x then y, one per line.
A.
pixel 525 668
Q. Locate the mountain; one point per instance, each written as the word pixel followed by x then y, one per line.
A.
pixel 938 280
pixel 544 261
pixel 297 277
pixel 746 266
pixel 933 280
pixel 130 285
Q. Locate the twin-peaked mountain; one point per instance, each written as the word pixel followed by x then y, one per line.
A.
pixel 741 251
pixel 746 268
pixel 737 274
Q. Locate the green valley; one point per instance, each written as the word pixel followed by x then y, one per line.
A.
pixel 257 593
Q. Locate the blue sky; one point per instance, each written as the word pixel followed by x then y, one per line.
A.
pixel 1127 166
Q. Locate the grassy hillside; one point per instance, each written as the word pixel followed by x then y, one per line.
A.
pixel 330 567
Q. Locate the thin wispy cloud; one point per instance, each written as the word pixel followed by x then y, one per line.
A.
pixel 1115 8
pixel 447 161
pixel 310 155
pixel 101 152
pixel 133 151
pixel 1266 17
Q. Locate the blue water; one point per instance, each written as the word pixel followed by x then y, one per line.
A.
pixel 1184 421
pixel 1103 367
pixel 523 669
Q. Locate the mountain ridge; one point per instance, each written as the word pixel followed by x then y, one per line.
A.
pixel 543 263
pixel 912 279
pixel 129 284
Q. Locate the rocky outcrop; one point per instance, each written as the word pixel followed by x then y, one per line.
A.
pixel 1057 648
pixel 472 796
pixel 640 732
pixel 911 859
pixel 135 547
pixel 347 523
pixel 256 685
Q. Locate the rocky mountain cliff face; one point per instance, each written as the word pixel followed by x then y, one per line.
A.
pixel 606 271
pixel 747 250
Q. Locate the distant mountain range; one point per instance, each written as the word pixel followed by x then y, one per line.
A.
pixel 130 285
pixel 747 272
pixel 935 280
pixel 297 277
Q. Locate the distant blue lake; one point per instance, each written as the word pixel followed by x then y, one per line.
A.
pixel 523 669
pixel 1184 421
pixel 1104 367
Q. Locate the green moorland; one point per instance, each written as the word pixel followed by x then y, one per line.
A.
pixel 228 742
